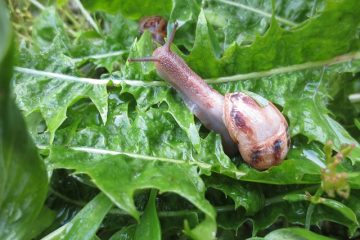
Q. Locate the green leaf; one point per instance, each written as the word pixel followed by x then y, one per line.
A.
pixel 294 234
pixel 130 8
pixel 85 224
pixel 255 17
pixel 53 106
pixel 338 206
pixel 205 47
pixel 101 166
pixel 184 119
pixel 149 226
pixel 343 209
pixel 249 197
pixel 133 172
pixel 320 126
pixel 319 38
pixel 205 230
pixel 141 70
pixel 151 140
pixel 6 51
pixel 276 209
pixel 353 203
pixel 48 95
pixel 288 89
pixel 354 180
pixel 47 26
pixel 357 123
pixel 126 233
pixel 23 179
pixel 43 221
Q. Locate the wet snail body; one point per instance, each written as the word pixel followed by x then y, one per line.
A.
pixel 257 131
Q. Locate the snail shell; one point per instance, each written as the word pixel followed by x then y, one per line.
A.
pixel 259 130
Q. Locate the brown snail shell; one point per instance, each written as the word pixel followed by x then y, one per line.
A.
pixel 260 131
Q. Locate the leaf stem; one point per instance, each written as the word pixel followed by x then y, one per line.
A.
pixel 311 209
pixel 67 199
pixel 108 81
pixel 76 24
pixel 297 67
pixel 37 4
pixel 61 76
pixel 177 213
pixel 280 198
pixel 138 156
pixel 87 16
pixel 239 77
pixel 258 11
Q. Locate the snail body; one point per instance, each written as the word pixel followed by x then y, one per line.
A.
pixel 258 132
pixel 203 101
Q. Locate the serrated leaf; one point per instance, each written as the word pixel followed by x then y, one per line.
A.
pixel 319 38
pixel 48 95
pixel 203 55
pixel 140 49
pixel 255 17
pixel 283 89
pixel 184 119
pixel 47 26
pixel 155 130
pixel 251 198
pixel 55 96
pixel 146 119
pixel 132 172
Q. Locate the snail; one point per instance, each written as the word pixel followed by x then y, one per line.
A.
pixel 246 122
pixel 156 25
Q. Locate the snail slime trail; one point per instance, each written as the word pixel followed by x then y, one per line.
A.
pixel 257 131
